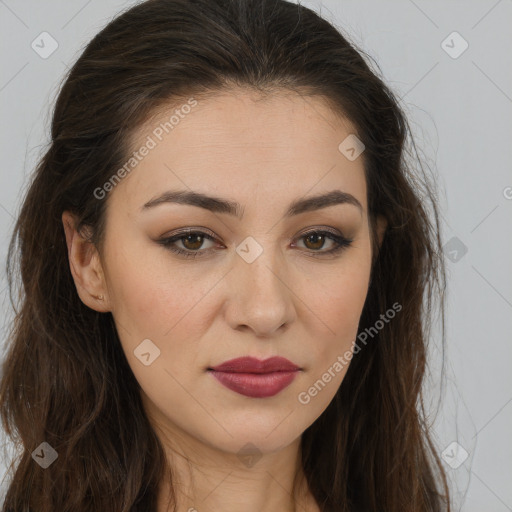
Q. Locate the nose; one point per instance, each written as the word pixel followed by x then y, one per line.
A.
pixel 260 296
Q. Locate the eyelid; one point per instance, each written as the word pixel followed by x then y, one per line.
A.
pixel 190 231
pixel 315 229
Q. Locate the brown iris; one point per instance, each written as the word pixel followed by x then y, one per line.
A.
pixel 318 240
pixel 189 239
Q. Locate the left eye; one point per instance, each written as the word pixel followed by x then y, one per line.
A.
pixel 317 239
pixel 193 240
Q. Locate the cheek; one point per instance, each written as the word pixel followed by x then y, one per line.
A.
pixel 337 299
pixel 157 299
pixel 344 301
pixel 338 305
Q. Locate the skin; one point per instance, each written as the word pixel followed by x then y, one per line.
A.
pixel 290 301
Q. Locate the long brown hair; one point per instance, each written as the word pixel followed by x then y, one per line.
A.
pixel 66 379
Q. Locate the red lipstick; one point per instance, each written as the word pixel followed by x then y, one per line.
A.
pixel 254 378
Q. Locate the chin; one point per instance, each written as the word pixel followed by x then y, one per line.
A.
pixel 260 434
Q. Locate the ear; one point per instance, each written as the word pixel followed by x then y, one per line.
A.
pixel 382 224
pixel 86 268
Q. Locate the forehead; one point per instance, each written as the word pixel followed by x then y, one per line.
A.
pixel 238 142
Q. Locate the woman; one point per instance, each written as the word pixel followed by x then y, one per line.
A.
pixel 224 260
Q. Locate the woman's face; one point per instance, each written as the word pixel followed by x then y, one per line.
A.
pixel 264 285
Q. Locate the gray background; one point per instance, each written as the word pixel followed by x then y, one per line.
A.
pixel 461 114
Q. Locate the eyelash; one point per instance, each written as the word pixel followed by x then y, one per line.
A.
pixel 340 241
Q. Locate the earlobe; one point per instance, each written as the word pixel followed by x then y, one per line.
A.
pixel 85 266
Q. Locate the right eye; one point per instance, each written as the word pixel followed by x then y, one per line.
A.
pixel 192 240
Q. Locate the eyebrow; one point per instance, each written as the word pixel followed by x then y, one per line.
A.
pixel 219 205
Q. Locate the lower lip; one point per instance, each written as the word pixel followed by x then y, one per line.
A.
pixel 255 385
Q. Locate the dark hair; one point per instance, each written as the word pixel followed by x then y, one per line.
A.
pixel 66 379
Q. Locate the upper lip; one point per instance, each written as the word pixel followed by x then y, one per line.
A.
pixel 253 365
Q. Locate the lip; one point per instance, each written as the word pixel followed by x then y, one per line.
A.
pixel 254 378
